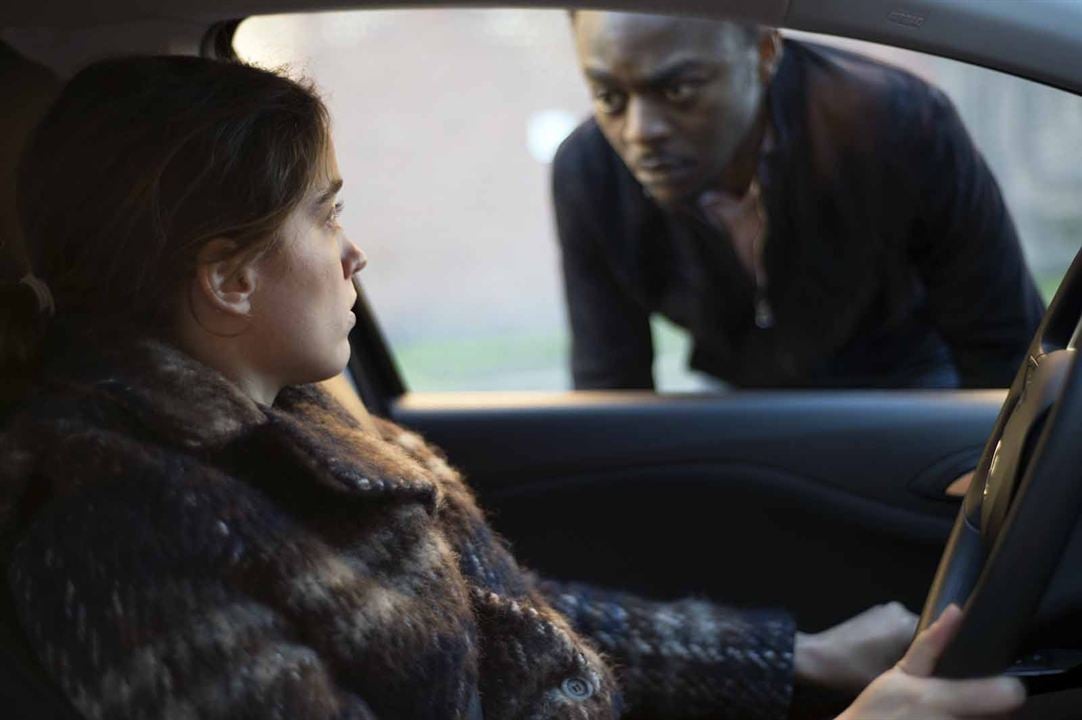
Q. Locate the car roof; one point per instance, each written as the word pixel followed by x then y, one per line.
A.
pixel 1038 40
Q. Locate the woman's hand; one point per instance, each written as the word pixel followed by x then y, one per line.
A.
pixel 906 691
pixel 848 656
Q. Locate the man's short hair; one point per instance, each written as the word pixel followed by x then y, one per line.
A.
pixel 748 33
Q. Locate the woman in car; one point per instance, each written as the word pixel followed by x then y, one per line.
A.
pixel 192 529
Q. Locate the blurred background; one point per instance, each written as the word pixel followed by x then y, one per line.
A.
pixel 446 122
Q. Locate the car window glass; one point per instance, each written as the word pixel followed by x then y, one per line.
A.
pixel 446 124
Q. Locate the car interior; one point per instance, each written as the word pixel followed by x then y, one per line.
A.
pixel 820 502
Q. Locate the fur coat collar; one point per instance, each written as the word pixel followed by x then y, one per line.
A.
pixel 178 550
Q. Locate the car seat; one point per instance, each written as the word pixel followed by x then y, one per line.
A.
pixel 26 692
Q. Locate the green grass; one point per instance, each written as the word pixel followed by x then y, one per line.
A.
pixel 481 362
pixel 539 361
pixel 1048 283
pixel 517 361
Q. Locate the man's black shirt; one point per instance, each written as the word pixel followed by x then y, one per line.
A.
pixel 891 258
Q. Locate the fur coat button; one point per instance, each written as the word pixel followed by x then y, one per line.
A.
pixel 577 688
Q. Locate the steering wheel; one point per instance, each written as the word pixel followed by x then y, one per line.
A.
pixel 1023 502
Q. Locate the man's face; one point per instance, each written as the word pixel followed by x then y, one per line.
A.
pixel 673 96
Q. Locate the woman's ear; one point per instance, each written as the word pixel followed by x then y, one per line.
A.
pixel 225 280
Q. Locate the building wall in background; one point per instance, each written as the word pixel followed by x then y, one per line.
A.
pixel 445 123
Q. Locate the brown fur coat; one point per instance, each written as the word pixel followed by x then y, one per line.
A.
pixel 178 551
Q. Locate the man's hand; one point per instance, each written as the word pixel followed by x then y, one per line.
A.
pixel 847 657
pixel 906 691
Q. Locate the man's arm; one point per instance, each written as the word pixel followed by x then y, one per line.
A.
pixel 980 293
pixel 611 345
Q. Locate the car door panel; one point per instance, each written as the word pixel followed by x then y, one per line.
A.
pixel 820 502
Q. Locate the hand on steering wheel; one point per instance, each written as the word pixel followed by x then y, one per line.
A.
pixel 908 691
pixel 848 656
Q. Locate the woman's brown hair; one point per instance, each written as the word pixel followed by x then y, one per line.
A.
pixel 138 163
